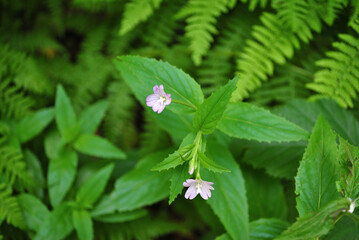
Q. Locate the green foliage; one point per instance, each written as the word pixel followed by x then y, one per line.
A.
pixel 9 208
pixel 266 228
pixel 83 224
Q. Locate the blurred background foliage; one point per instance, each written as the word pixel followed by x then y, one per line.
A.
pixel 282 49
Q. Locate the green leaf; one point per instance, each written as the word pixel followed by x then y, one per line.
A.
pixel 83 224
pixel 315 181
pixel 34 124
pixel 88 194
pixel 265 196
pixel 65 115
pixel 62 172
pixel 35 170
pixel 210 164
pixel 173 160
pixel 224 236
pixel 179 176
pixel 142 74
pixel 122 216
pixel 228 200
pixel 267 229
pixel 57 225
pixel 211 111
pixel 315 224
pixel 33 210
pixel 345 228
pixel 94 145
pixel 137 188
pixel 243 120
pixel 92 116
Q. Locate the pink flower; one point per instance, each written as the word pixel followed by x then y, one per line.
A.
pixel 196 186
pixel 159 99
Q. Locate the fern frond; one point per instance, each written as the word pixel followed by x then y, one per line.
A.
pixel 328 10
pixel 137 11
pixel 9 208
pixel 354 18
pixel 292 13
pixel 339 79
pixel 254 3
pixel 201 20
pixel 4 132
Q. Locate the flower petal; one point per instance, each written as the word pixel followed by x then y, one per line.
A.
pixel 156 90
pixel 160 109
pixel 161 91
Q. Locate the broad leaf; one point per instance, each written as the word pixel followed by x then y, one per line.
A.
pixel 315 224
pixel 228 200
pixel 210 164
pixel 33 210
pixel 211 111
pixel 243 120
pixel 34 124
pixel 122 216
pixel 94 145
pixel 137 188
pixel 57 225
pixel 224 236
pixel 180 174
pixel 65 115
pixel 142 74
pixel 62 171
pixel 173 160
pixel 92 116
pixel 267 229
pixel 315 181
pixel 83 224
pixel 35 170
pixel 345 229
pixel 88 194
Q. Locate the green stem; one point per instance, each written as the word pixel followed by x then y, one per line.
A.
pixel 184 103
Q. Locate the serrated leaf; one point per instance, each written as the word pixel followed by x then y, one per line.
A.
pixel 179 176
pixel 88 194
pixel 137 188
pixel 267 228
pixel 210 112
pixel 315 181
pixel 61 174
pixel 228 200
pixel 97 146
pixel 243 120
pixel 122 216
pixel 315 224
pixel 92 116
pixel 174 159
pixel 57 225
pixel 142 74
pixel 210 164
pixel 33 210
pixel 65 115
pixel 83 224
pixel 32 125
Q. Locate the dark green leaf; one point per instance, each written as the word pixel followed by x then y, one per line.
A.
pixel 180 174
pixel 35 170
pixel 224 236
pixel 32 125
pixel 62 172
pixel 83 224
pixel 142 74
pixel 243 120
pixel 92 116
pixel 210 164
pixel 211 111
pixel 96 146
pixel 345 229
pixel 317 173
pixel 173 160
pixel 88 194
pixel 122 216
pixel 267 229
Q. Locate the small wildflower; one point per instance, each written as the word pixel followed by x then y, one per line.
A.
pixel 159 100
pixel 196 186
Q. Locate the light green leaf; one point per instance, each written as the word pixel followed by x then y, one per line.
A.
pixel 315 224
pixel 211 111
pixel 94 145
pixel 83 224
pixel 315 181
pixel 243 120
pixel 210 164
pixel 57 225
pixel 265 196
pixel 32 125
pixel 137 188
pixel 142 74
pixel 88 194
pixel 228 200
pixel 33 210
pixel 224 236
pixel 180 174
pixel 267 229
pixel 65 115
pixel 92 116
pixel 173 160
pixel 62 172
pixel 122 216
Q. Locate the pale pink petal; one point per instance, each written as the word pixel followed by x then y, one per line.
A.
pixel 156 90
pixel 185 184
pixel 160 108
pixel 204 195
pixel 206 190
pixel 152 97
pixel 161 90
pixel 191 181
pixel 156 107
pixel 168 99
pixel 191 171
pixel 191 192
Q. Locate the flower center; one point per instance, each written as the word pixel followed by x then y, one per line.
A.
pixel 199 187
pixel 162 99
